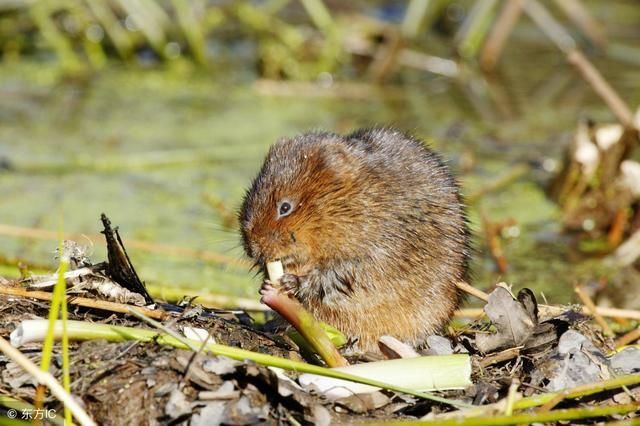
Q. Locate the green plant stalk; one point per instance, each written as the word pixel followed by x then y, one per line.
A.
pixel 79 330
pixel 191 29
pixel 319 14
pixel 293 311
pixel 338 339
pixel 93 50
pixel 54 311
pixel 109 21
pixel 630 422
pixel 420 15
pixel 479 23
pixel 66 373
pixel 295 314
pixel 579 391
pixel 527 418
pixel 40 13
pixel 149 17
pixel 274 6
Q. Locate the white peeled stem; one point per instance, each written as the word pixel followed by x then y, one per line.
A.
pixel 425 373
pixel 275 270
pixel 44 281
pixel 29 331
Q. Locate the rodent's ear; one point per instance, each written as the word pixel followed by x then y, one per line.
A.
pixel 338 156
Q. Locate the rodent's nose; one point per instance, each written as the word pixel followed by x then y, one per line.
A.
pixel 264 246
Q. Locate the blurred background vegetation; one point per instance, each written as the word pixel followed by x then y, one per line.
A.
pixel 159 113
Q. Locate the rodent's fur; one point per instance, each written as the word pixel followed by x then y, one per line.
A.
pixel 377 235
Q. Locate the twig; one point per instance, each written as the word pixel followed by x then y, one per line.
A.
pixel 491 231
pixel 433 64
pixel 630 337
pixel 407 57
pixel 591 308
pixel 565 42
pixel 468 313
pixel 602 88
pixel 576 11
pixel 386 56
pixel 505 355
pixel 547 23
pixel 48 380
pixel 82 301
pixel 552 403
pixel 616 313
pixel 511 397
pixel 618 225
pixel 499 35
pixel 472 291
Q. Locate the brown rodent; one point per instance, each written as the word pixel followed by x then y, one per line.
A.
pixel 370 229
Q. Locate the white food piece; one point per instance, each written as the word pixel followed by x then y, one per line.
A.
pixel 275 270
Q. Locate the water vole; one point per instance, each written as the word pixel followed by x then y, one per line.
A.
pixel 370 228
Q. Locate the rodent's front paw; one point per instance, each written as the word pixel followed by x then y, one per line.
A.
pixel 289 284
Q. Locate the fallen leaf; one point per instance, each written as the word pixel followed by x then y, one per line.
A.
pixel 513 322
pixel 576 361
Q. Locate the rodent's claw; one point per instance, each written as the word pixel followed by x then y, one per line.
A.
pixel 266 287
pixel 289 284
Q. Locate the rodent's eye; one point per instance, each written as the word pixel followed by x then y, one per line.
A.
pixel 284 208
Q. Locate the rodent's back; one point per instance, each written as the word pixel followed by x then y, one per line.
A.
pixel 377 234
